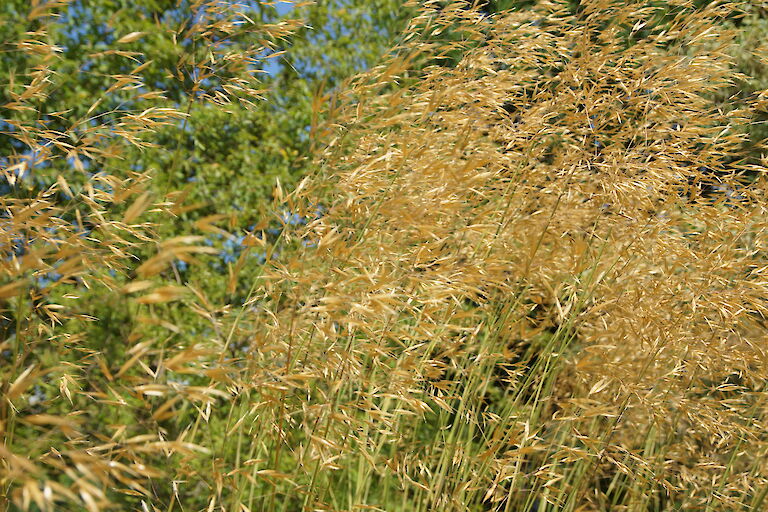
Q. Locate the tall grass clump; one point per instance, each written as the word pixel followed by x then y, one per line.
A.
pixel 529 274
pixel 538 283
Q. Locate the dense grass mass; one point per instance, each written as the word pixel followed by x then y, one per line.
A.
pixel 524 271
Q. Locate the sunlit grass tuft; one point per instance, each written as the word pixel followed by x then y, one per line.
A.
pixel 536 282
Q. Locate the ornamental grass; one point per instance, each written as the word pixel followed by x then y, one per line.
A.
pixel 529 275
